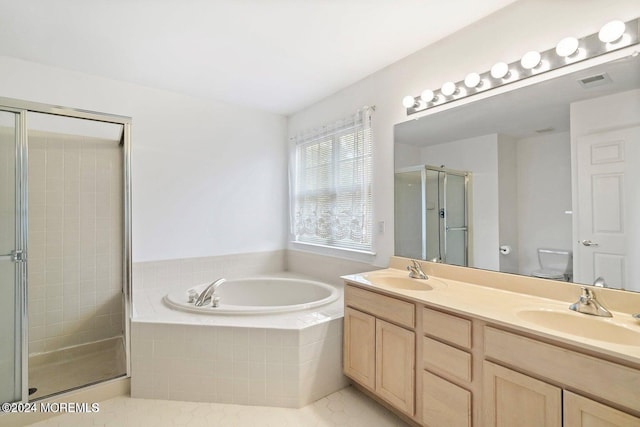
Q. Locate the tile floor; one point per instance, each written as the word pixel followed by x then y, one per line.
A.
pixel 347 407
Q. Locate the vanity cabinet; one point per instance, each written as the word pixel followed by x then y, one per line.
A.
pixel 379 347
pixel 514 399
pixel 582 412
pixel 519 398
pixel 447 369
pixel 360 347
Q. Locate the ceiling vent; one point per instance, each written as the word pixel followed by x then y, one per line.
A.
pixel 595 81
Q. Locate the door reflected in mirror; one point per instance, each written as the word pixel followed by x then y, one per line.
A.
pixel 552 184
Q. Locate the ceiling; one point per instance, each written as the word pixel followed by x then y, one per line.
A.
pixel 520 113
pixel 274 55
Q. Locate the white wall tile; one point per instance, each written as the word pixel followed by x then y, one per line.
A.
pixel 64 239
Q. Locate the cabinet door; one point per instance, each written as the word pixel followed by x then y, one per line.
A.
pixel 360 347
pixel 444 404
pixel 582 412
pixel 513 399
pixel 395 365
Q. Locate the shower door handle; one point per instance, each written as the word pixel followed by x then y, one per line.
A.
pixel 456 228
pixel 14 256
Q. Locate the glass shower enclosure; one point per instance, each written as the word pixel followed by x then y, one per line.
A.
pixel 65 249
pixel 431 214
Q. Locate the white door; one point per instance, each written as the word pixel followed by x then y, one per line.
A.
pixel 608 208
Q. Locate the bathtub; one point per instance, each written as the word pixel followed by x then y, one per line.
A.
pixel 258 295
pixel 273 341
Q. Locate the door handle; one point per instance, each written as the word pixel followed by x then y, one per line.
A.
pixel 588 243
pixel 15 256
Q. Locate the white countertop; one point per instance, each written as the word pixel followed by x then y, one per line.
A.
pixel 501 307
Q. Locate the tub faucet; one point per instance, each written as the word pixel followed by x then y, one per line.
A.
pixel 415 271
pixel 208 292
pixel 588 304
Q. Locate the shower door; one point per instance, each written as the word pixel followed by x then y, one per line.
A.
pixel 74 236
pixel 431 208
pixel 12 265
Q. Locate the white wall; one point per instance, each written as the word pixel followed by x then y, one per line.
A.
pixel 208 178
pixel 508 205
pixel 503 36
pixel 544 194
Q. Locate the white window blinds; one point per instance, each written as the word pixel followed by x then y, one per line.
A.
pixel 331 197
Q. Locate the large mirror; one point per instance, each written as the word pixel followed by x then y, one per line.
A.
pixel 552 180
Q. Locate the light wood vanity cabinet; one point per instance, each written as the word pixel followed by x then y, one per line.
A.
pixel 473 374
pixel 514 399
pixel 518 398
pixel 360 347
pixel 582 412
pixel 378 354
pixel 447 364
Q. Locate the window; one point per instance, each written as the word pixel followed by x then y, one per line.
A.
pixel 331 198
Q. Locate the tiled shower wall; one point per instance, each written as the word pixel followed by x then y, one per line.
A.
pixel 75 241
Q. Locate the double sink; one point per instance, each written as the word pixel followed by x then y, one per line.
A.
pixel 620 329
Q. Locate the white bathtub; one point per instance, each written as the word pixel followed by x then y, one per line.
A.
pixel 259 295
pixel 288 353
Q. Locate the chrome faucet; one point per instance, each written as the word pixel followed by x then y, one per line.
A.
pixel 415 271
pixel 588 304
pixel 208 293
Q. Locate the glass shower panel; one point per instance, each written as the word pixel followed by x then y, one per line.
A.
pixel 76 309
pixel 432 204
pixel 456 221
pixel 408 214
pixel 10 325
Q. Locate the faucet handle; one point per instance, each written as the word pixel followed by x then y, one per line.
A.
pixel 586 295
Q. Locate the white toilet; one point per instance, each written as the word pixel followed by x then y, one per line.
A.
pixel 555 264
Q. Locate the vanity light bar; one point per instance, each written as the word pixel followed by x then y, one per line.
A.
pixel 613 36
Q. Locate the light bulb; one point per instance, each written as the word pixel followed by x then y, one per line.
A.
pixel 472 80
pixel 611 31
pixel 428 95
pixel 409 101
pixel 499 70
pixel 530 60
pixel 448 89
pixel 567 46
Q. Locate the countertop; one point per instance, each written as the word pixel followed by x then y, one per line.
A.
pixel 504 308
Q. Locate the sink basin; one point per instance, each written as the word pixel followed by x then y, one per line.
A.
pixel 582 325
pixel 402 282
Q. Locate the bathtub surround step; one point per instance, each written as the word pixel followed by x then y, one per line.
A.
pixel 249 366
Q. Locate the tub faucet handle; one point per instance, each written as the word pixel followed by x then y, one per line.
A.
pixel 208 292
pixel 193 295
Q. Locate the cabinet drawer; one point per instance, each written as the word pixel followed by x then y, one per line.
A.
pixel 575 370
pixel 443 403
pixel 391 309
pixel 443 358
pixel 447 327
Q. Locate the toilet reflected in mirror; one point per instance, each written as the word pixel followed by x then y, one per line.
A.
pixel 555 264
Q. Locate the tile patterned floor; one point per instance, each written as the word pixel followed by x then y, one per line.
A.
pixel 347 407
